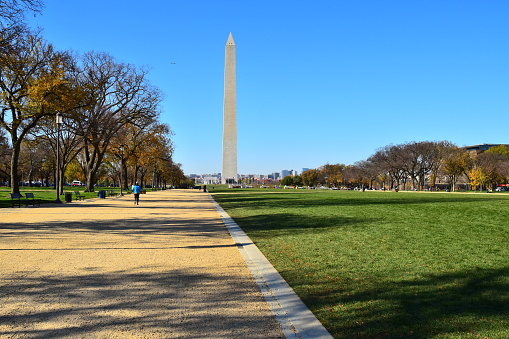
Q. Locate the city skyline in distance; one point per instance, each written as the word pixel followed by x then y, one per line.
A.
pixel 281 173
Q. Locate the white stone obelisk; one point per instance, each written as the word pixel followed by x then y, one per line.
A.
pixel 229 172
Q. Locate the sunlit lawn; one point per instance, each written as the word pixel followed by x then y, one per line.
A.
pixel 386 264
pixel 47 194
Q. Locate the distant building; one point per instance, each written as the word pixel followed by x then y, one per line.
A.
pixel 305 169
pixel 206 179
pixel 195 177
pixel 285 173
pixel 475 150
pixel 211 179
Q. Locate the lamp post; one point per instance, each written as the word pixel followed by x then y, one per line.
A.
pixel 58 121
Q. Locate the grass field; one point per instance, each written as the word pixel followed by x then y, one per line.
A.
pixel 385 264
pixel 46 194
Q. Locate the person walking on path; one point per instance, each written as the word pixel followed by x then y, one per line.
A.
pixel 136 190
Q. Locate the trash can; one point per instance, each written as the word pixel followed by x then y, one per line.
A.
pixel 68 196
pixel 101 194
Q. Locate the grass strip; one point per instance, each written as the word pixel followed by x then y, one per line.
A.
pixel 45 194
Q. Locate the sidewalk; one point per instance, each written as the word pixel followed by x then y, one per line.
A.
pixel 105 268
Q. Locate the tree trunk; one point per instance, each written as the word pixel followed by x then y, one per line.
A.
pixel 136 171
pixel 16 147
pixel 90 182
pixel 30 176
pixel 124 176
pixel 91 166
pixel 142 179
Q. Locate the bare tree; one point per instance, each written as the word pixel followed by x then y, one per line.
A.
pixel 12 15
pixel 418 160
pixel 368 170
pixel 118 94
pixel 390 160
pixel 415 161
pixel 12 12
pixel 30 160
pixel 5 158
pixel 71 144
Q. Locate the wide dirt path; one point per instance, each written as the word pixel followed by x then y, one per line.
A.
pixel 106 268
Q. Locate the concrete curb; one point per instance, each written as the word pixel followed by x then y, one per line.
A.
pixel 296 320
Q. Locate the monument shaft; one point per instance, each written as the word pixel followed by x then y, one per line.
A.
pixel 229 171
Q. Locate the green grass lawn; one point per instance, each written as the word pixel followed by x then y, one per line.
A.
pixel 47 194
pixel 385 264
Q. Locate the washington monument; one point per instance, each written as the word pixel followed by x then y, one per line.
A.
pixel 229 172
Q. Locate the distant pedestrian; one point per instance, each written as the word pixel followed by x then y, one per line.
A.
pixel 136 190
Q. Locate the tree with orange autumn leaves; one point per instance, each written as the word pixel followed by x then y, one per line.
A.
pixel 33 86
pixel 98 96
pixel 141 151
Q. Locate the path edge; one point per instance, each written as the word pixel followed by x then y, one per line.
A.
pixel 294 317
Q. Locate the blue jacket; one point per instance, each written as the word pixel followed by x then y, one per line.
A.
pixel 136 189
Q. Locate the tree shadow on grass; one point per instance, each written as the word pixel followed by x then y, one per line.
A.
pixel 291 224
pixel 292 200
pixel 470 302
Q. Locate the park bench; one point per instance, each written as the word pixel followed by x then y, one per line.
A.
pixel 16 199
pixel 111 193
pixel 30 199
pixel 78 195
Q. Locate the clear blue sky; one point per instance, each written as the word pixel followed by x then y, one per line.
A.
pixel 317 81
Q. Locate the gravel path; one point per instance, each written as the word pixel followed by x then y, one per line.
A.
pixel 105 268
